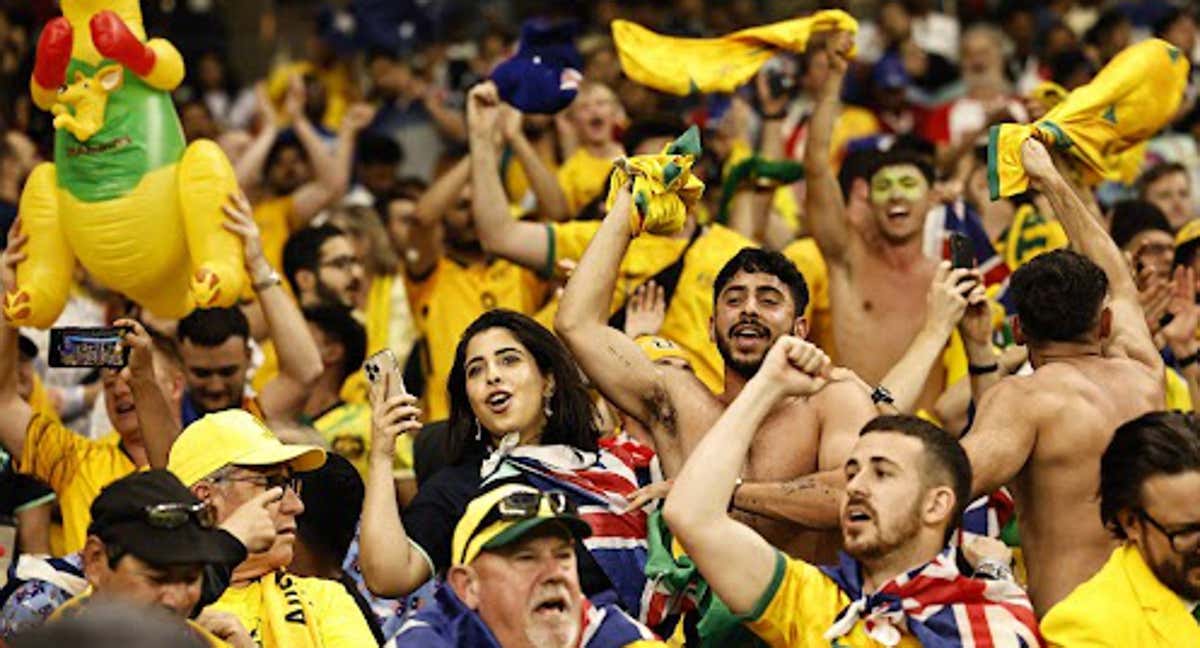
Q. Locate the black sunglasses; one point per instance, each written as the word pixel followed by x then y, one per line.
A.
pixel 175 514
pixel 1185 540
pixel 522 506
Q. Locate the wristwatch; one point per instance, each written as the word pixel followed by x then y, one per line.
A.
pixel 268 281
pixel 993 570
pixel 882 395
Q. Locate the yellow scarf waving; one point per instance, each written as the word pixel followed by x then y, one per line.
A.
pixel 664 189
pixel 1099 125
pixel 683 66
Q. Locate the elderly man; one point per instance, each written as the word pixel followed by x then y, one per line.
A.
pixel 515 584
pixel 907 483
pixel 229 458
pixel 1146 594
pixel 148 544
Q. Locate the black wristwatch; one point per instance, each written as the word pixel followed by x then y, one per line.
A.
pixel 1187 361
pixel 882 395
pixel 982 370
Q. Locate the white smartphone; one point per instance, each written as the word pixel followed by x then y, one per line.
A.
pixel 384 363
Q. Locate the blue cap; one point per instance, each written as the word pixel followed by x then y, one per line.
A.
pixel 543 77
pixel 889 73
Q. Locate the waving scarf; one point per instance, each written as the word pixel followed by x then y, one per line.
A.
pixel 664 189
pixel 938 605
pixel 684 66
pixel 1099 125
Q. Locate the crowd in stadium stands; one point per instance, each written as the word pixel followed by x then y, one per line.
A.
pixel 855 396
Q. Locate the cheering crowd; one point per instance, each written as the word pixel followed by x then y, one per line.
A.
pixel 854 395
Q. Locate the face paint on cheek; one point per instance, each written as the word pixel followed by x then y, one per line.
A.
pixel 900 183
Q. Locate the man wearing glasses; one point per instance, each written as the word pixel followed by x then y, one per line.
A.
pixel 229 458
pixel 514 582
pixel 1148 592
pixel 149 543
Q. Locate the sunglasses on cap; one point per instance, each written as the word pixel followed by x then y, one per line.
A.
pixel 174 515
pixel 518 506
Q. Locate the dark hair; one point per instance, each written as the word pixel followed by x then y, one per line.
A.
pixel 1058 296
pixel 1158 443
pixel 210 327
pixel 167 346
pixel 379 149
pixel 946 462
pixel 303 251
pixel 1105 26
pixel 756 260
pixel 1066 64
pixel 338 323
pixel 856 165
pixel 1132 217
pixel 283 142
pixel 641 130
pixel 573 421
pixel 1169 17
pixel 900 156
pixel 333 501
pixel 1156 173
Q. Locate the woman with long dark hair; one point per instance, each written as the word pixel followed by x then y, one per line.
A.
pixel 519 410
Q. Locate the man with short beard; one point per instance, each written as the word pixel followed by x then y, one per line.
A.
pixel 515 583
pixel 1146 594
pixel 758 297
pixel 907 483
pixel 322 267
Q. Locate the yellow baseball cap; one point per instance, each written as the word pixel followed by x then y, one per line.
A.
pixel 486 526
pixel 234 437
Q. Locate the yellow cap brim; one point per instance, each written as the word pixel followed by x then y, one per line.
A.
pixel 301 458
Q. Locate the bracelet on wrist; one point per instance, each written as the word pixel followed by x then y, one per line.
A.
pixel 271 280
pixel 775 116
pixel 983 370
pixel 1188 360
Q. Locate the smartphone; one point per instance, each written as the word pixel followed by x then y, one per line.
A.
pixel 781 77
pixel 384 363
pixel 962 251
pixel 89 347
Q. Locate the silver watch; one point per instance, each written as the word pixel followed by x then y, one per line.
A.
pixel 993 569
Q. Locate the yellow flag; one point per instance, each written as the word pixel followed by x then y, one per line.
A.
pixel 1101 125
pixel 683 66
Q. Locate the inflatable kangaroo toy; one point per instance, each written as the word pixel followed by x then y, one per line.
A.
pixel 126 196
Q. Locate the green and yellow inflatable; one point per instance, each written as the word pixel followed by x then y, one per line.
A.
pixel 125 196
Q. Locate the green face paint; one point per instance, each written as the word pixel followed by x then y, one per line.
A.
pixel 904 182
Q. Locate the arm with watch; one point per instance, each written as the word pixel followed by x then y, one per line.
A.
pixel 300 362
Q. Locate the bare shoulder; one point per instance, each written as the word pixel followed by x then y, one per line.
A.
pixel 844 389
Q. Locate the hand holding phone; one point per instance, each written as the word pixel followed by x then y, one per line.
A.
pixel 89 347
pixel 384 364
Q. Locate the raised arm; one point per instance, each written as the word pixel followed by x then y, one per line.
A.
pixel 15 413
pixel 551 201
pixel 390 565
pixel 249 167
pixel 159 425
pixel 300 362
pixel 331 170
pixel 1130 336
pixel 521 242
pixel 612 360
pixel 737 562
pixel 824 206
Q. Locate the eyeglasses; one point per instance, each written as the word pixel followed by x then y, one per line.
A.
pixel 175 514
pixel 344 262
pixel 279 480
pixel 1185 540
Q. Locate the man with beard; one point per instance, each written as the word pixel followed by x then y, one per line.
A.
pixel 322 267
pixel 515 583
pixel 878 273
pixel 1145 595
pixel 1095 367
pixel 907 483
pixel 215 342
pixel 758 297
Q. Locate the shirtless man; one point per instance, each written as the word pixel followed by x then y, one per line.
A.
pixel 1096 367
pixel 878 273
pixel 759 296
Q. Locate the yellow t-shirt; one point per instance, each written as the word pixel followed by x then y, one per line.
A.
pixel 452 297
pixel 347 429
pixel 1029 235
pixel 806 256
pixel 686 322
pixel 338 621
pixel 516 182
pixel 274 219
pixel 1178 396
pixel 800 604
pixel 76 468
pixel 390 325
pixel 583 177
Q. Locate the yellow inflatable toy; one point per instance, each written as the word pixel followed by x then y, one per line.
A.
pixel 126 196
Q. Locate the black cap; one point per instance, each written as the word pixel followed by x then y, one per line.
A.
pixel 118 518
